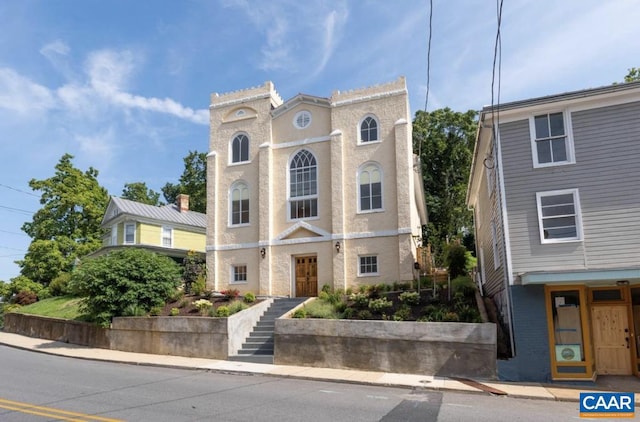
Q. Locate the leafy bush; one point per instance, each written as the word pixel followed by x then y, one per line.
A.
pixel 326 288
pixel 237 306
pixel 183 303
pixel 463 285
pixel 361 300
pixel 365 314
pixel 123 278
pixel 348 313
pixel 155 310
pixel 456 259
pixel 223 311
pixel 25 298
pixel 203 306
pixel 324 296
pixel 174 312
pixel 403 313
pixel 59 285
pixel 379 305
pixel 249 297
pixel 299 313
pixel 198 286
pixel 451 317
pixel 134 311
pixel 348 291
pixel 23 284
pixel 320 309
pixel 193 272
pixel 410 298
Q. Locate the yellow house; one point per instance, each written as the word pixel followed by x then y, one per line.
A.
pixel 312 190
pixel 170 230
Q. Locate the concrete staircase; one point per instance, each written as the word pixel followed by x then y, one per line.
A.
pixel 258 347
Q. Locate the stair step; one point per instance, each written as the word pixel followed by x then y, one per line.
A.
pixel 256 351
pixel 263 329
pixel 253 358
pixel 260 340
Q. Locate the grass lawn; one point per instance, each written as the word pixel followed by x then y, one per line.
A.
pixel 66 307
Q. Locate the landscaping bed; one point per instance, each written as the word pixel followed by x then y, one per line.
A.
pixel 210 304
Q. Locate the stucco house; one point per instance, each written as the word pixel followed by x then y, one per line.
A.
pixel 554 188
pixel 312 190
pixel 171 230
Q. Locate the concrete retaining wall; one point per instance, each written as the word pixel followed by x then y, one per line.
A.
pixel 75 332
pixel 429 348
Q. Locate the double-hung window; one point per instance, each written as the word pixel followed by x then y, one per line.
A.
pixel 239 204
pixel 167 237
pixel 130 233
pixel 370 188
pixel 303 186
pixel 239 274
pixel 551 139
pixel 559 216
pixel 114 235
pixel 240 148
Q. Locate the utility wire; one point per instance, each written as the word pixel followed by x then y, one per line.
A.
pixel 426 100
pixel 19 190
pixel 17 233
pixel 12 249
pixel 18 210
pixel 497 64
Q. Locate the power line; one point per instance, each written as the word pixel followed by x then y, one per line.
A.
pixel 12 249
pixel 18 210
pixel 19 234
pixel 19 190
pixel 11 256
pixel 497 59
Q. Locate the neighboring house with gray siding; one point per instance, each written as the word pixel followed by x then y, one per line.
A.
pixel 556 200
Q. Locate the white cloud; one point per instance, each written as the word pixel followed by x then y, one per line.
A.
pixel 21 95
pixel 98 146
pixel 55 48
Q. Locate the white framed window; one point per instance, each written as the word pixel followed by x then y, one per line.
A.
pixel 367 265
pixel 370 188
pixel 559 216
pixel 551 139
pixel 302 119
pixel 130 233
pixel 239 200
pixel 238 273
pixel 240 148
pixel 303 186
pixel 496 249
pixel 114 234
pixel 369 130
pixel 167 237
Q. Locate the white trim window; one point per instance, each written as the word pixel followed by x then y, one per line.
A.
pixel 302 119
pixel 238 274
pixel 367 265
pixel 167 237
pixel 370 188
pixel 551 139
pixel 240 148
pixel 368 130
pixel 239 200
pixel 129 233
pixel 559 216
pixel 114 235
pixel 303 186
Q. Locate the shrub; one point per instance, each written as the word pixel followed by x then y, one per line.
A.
pixel 203 306
pixel 183 303
pixel 25 298
pixel 403 313
pixel 324 296
pixel 193 269
pixel 223 312
pixel 379 305
pixel 326 288
pixel 177 295
pixel 360 300
pixel 451 317
pixel 456 259
pixel 123 278
pixel 299 313
pixel 22 284
pixel 363 288
pixel 348 291
pixel 198 286
pixel 249 297
pixel 410 298
pixel 237 306
pixel 320 309
pixel 230 294
pixel 59 285
pixel 174 312
pixel 134 311
pixel 365 314
pixel 155 310
pixel 463 286
pixel 348 313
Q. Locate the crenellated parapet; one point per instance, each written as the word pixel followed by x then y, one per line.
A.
pixel 398 86
pixel 267 90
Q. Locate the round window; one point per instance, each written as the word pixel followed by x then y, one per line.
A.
pixel 302 119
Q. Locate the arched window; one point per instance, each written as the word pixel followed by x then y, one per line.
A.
pixel 303 186
pixel 240 148
pixel 369 129
pixel 239 204
pixel 370 187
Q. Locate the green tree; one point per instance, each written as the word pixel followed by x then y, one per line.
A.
pixel 138 191
pixel 193 182
pixel 68 224
pixel 193 267
pixel 122 280
pixel 445 139
pixel 633 75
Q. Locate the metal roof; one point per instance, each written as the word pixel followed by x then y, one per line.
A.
pixel 166 213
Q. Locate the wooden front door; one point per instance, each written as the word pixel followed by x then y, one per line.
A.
pixel 306 276
pixel 611 339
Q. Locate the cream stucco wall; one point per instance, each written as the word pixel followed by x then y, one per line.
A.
pixel 333 138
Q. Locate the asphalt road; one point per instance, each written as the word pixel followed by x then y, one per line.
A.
pixel 40 387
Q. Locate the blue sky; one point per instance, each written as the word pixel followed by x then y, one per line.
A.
pixel 124 85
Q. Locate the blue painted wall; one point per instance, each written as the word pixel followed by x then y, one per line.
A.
pixel 531 361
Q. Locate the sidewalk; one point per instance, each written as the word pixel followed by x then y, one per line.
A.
pixel 531 391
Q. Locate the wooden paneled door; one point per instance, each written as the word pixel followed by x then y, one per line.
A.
pixel 611 339
pixel 306 276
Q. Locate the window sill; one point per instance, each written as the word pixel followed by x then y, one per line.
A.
pixel 560 241
pixel 238 282
pixel 238 226
pixel 558 164
pixel 361 143
pixel 371 211
pixel 369 275
pixel 239 163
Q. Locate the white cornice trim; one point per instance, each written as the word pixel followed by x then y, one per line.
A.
pixel 240 100
pixel 369 97
pixel 301 142
pixel 212 154
pixel 302 225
